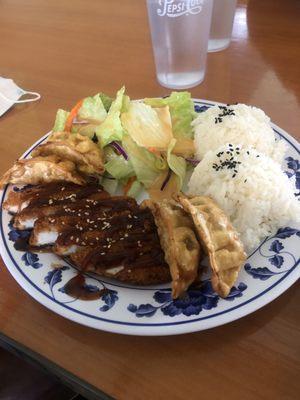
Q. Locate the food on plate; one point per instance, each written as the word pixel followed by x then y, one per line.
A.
pixel 140 144
pixel 64 157
pixel 250 187
pixel 17 200
pixel 178 240
pixel 219 239
pixel 111 236
pixel 38 170
pixel 79 149
pixel 239 125
pixel 238 193
pixel 124 246
pixel 145 143
pixel 57 201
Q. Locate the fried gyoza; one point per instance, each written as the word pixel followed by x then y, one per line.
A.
pixel 41 170
pixel 79 149
pixel 178 240
pixel 220 240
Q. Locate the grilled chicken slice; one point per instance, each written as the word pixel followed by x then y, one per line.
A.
pixel 70 205
pixel 108 230
pixel 47 229
pixel 220 241
pixel 40 194
pixel 149 268
pixel 178 240
pixel 132 253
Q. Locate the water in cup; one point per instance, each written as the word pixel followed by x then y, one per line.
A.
pixel 221 24
pixel 179 31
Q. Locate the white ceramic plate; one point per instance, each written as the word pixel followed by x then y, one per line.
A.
pixel 268 272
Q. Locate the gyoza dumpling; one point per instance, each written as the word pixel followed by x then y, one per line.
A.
pixel 220 241
pixel 41 170
pixel 179 242
pixel 79 149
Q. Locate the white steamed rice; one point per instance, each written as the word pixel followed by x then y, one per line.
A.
pixel 259 199
pixel 249 126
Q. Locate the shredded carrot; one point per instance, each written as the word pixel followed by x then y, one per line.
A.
pixel 128 185
pixel 72 115
pixel 153 150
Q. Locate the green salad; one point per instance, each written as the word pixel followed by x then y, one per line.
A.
pixel 145 143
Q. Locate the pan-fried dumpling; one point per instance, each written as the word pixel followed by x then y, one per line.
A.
pixel 41 170
pixel 220 241
pixel 179 242
pixel 79 149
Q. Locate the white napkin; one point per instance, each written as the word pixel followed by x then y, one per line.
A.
pixel 10 94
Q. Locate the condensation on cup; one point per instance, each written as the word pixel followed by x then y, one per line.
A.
pixel 221 24
pixel 180 32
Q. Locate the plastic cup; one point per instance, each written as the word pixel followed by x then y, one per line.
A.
pixel 180 32
pixel 221 24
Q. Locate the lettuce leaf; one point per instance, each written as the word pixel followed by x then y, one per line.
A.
pixel 92 110
pixel 147 166
pixel 111 128
pixel 147 126
pixel 182 112
pixel 117 166
pixel 135 190
pixel 106 101
pixel 110 185
pixel 84 129
pixel 176 164
pixel 60 120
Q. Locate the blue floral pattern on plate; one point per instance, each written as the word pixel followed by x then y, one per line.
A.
pixel 277 257
pixel 194 301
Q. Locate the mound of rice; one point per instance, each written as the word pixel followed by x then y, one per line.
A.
pixel 250 187
pixel 248 126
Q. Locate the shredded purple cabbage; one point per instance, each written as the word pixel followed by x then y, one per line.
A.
pixel 192 161
pixel 166 180
pixel 119 149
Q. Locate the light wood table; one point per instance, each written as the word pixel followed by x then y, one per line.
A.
pixel 69 49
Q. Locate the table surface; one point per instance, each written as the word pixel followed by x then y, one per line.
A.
pixel 69 49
